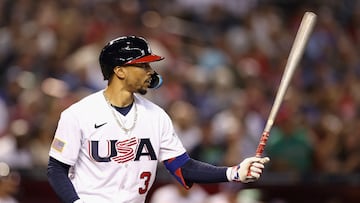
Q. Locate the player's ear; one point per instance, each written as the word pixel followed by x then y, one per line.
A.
pixel 119 72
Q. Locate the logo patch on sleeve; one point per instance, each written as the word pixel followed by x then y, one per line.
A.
pixel 58 144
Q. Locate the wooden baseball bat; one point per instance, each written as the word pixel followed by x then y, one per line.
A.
pixel 307 23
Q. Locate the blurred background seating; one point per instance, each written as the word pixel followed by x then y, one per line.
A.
pixel 224 60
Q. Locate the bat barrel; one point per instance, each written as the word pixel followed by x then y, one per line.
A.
pixel 295 55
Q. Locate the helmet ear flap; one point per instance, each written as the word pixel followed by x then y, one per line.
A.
pixel 156 81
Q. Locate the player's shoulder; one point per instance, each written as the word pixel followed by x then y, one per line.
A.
pixel 146 102
pixel 148 105
pixel 152 113
pixel 88 102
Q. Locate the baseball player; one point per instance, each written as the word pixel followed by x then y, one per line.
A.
pixel 106 146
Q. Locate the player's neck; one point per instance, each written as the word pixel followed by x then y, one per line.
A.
pixel 118 98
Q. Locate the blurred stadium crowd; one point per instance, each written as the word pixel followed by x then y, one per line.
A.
pixel 223 64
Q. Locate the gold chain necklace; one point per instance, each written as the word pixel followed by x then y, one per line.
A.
pixel 114 113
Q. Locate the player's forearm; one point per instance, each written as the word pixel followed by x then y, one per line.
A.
pixel 199 172
pixel 57 173
pixel 188 171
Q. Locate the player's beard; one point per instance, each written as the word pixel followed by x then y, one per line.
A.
pixel 142 91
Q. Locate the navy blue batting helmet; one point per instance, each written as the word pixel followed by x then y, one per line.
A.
pixel 125 51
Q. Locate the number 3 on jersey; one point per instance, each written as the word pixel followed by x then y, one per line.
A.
pixel 146 175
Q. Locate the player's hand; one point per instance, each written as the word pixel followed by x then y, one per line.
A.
pixel 249 170
pixel 79 201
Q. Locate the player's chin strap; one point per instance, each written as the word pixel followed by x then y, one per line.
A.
pixel 156 81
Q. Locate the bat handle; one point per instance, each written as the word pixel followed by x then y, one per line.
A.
pixel 261 146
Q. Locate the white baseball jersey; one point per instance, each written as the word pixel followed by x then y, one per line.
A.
pixel 108 165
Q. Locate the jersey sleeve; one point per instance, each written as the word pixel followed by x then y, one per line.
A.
pixel 174 165
pixel 170 144
pixel 66 143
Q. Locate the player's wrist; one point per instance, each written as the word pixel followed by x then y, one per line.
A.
pixel 228 173
pixel 231 173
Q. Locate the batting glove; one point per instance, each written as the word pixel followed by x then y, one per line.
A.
pixel 249 170
pixel 79 201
